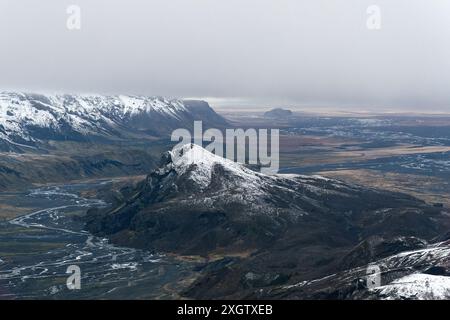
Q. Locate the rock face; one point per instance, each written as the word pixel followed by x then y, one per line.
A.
pixel 278 113
pixel 285 229
pixel 27 119
pixel 375 248
pixel 413 274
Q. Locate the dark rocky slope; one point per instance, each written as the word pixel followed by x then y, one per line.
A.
pixel 277 229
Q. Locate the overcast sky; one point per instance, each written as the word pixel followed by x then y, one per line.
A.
pixel 292 52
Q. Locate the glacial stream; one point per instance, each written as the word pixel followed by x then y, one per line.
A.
pixel 36 250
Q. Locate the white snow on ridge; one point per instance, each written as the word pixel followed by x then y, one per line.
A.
pixel 432 253
pixel 198 165
pixel 417 286
pixel 235 183
pixel 19 111
pixel 15 111
pixel 136 105
pixel 186 156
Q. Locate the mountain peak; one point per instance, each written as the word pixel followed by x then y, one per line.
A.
pixel 199 165
pixel 198 203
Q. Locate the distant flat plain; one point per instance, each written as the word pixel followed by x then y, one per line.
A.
pixel 402 152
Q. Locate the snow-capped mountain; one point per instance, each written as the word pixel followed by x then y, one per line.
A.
pixel 219 182
pixel 293 236
pixel 197 203
pixel 25 119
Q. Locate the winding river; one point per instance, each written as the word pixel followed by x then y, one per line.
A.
pixel 36 250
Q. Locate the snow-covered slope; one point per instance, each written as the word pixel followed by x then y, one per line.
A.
pixel 218 182
pixel 421 274
pixel 27 118
pixel 417 286
pixel 195 194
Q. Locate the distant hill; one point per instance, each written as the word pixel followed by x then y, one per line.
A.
pixel 278 113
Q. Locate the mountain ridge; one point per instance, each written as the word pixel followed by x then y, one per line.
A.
pixel 25 119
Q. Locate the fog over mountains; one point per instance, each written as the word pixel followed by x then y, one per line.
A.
pixel 309 53
pixel 356 98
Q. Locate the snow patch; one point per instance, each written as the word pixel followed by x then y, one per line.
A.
pixel 417 286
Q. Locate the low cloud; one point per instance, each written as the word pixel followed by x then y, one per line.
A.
pixel 311 53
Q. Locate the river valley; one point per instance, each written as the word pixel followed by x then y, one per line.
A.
pixel 37 248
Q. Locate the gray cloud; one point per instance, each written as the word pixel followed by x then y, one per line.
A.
pixel 312 52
